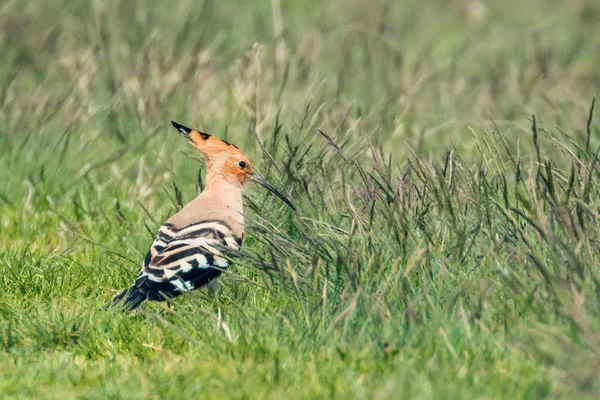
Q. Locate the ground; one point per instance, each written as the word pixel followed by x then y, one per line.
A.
pixel 443 157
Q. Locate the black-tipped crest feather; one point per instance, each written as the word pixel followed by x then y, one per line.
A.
pixel 184 130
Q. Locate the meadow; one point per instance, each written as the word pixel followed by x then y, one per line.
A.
pixel 443 157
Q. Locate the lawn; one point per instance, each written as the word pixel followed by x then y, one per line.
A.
pixel 443 157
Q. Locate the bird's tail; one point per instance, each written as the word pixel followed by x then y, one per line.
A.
pixel 128 300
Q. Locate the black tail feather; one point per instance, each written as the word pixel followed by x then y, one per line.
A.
pixel 128 300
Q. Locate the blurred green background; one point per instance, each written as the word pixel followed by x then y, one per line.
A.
pixel 446 243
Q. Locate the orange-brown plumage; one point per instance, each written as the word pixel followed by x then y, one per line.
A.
pixel 210 145
pixel 223 158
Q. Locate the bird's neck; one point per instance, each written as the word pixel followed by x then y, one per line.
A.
pixel 220 184
pixel 224 192
pixel 220 200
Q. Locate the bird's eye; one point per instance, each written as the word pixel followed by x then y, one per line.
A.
pixel 242 164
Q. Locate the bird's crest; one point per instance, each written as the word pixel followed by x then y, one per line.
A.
pixel 207 144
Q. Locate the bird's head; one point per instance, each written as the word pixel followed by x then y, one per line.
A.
pixel 226 161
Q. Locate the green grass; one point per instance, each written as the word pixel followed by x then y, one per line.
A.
pixel 446 243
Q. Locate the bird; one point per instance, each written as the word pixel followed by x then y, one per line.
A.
pixel 190 249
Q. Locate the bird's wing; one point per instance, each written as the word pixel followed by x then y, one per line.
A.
pixel 185 259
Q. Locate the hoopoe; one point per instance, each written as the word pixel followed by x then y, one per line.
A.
pixel 186 252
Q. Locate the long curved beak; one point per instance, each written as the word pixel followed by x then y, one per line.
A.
pixel 259 179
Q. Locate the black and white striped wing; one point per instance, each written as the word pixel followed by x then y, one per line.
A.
pixel 185 259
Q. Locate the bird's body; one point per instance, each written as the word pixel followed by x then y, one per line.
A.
pixel 193 247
